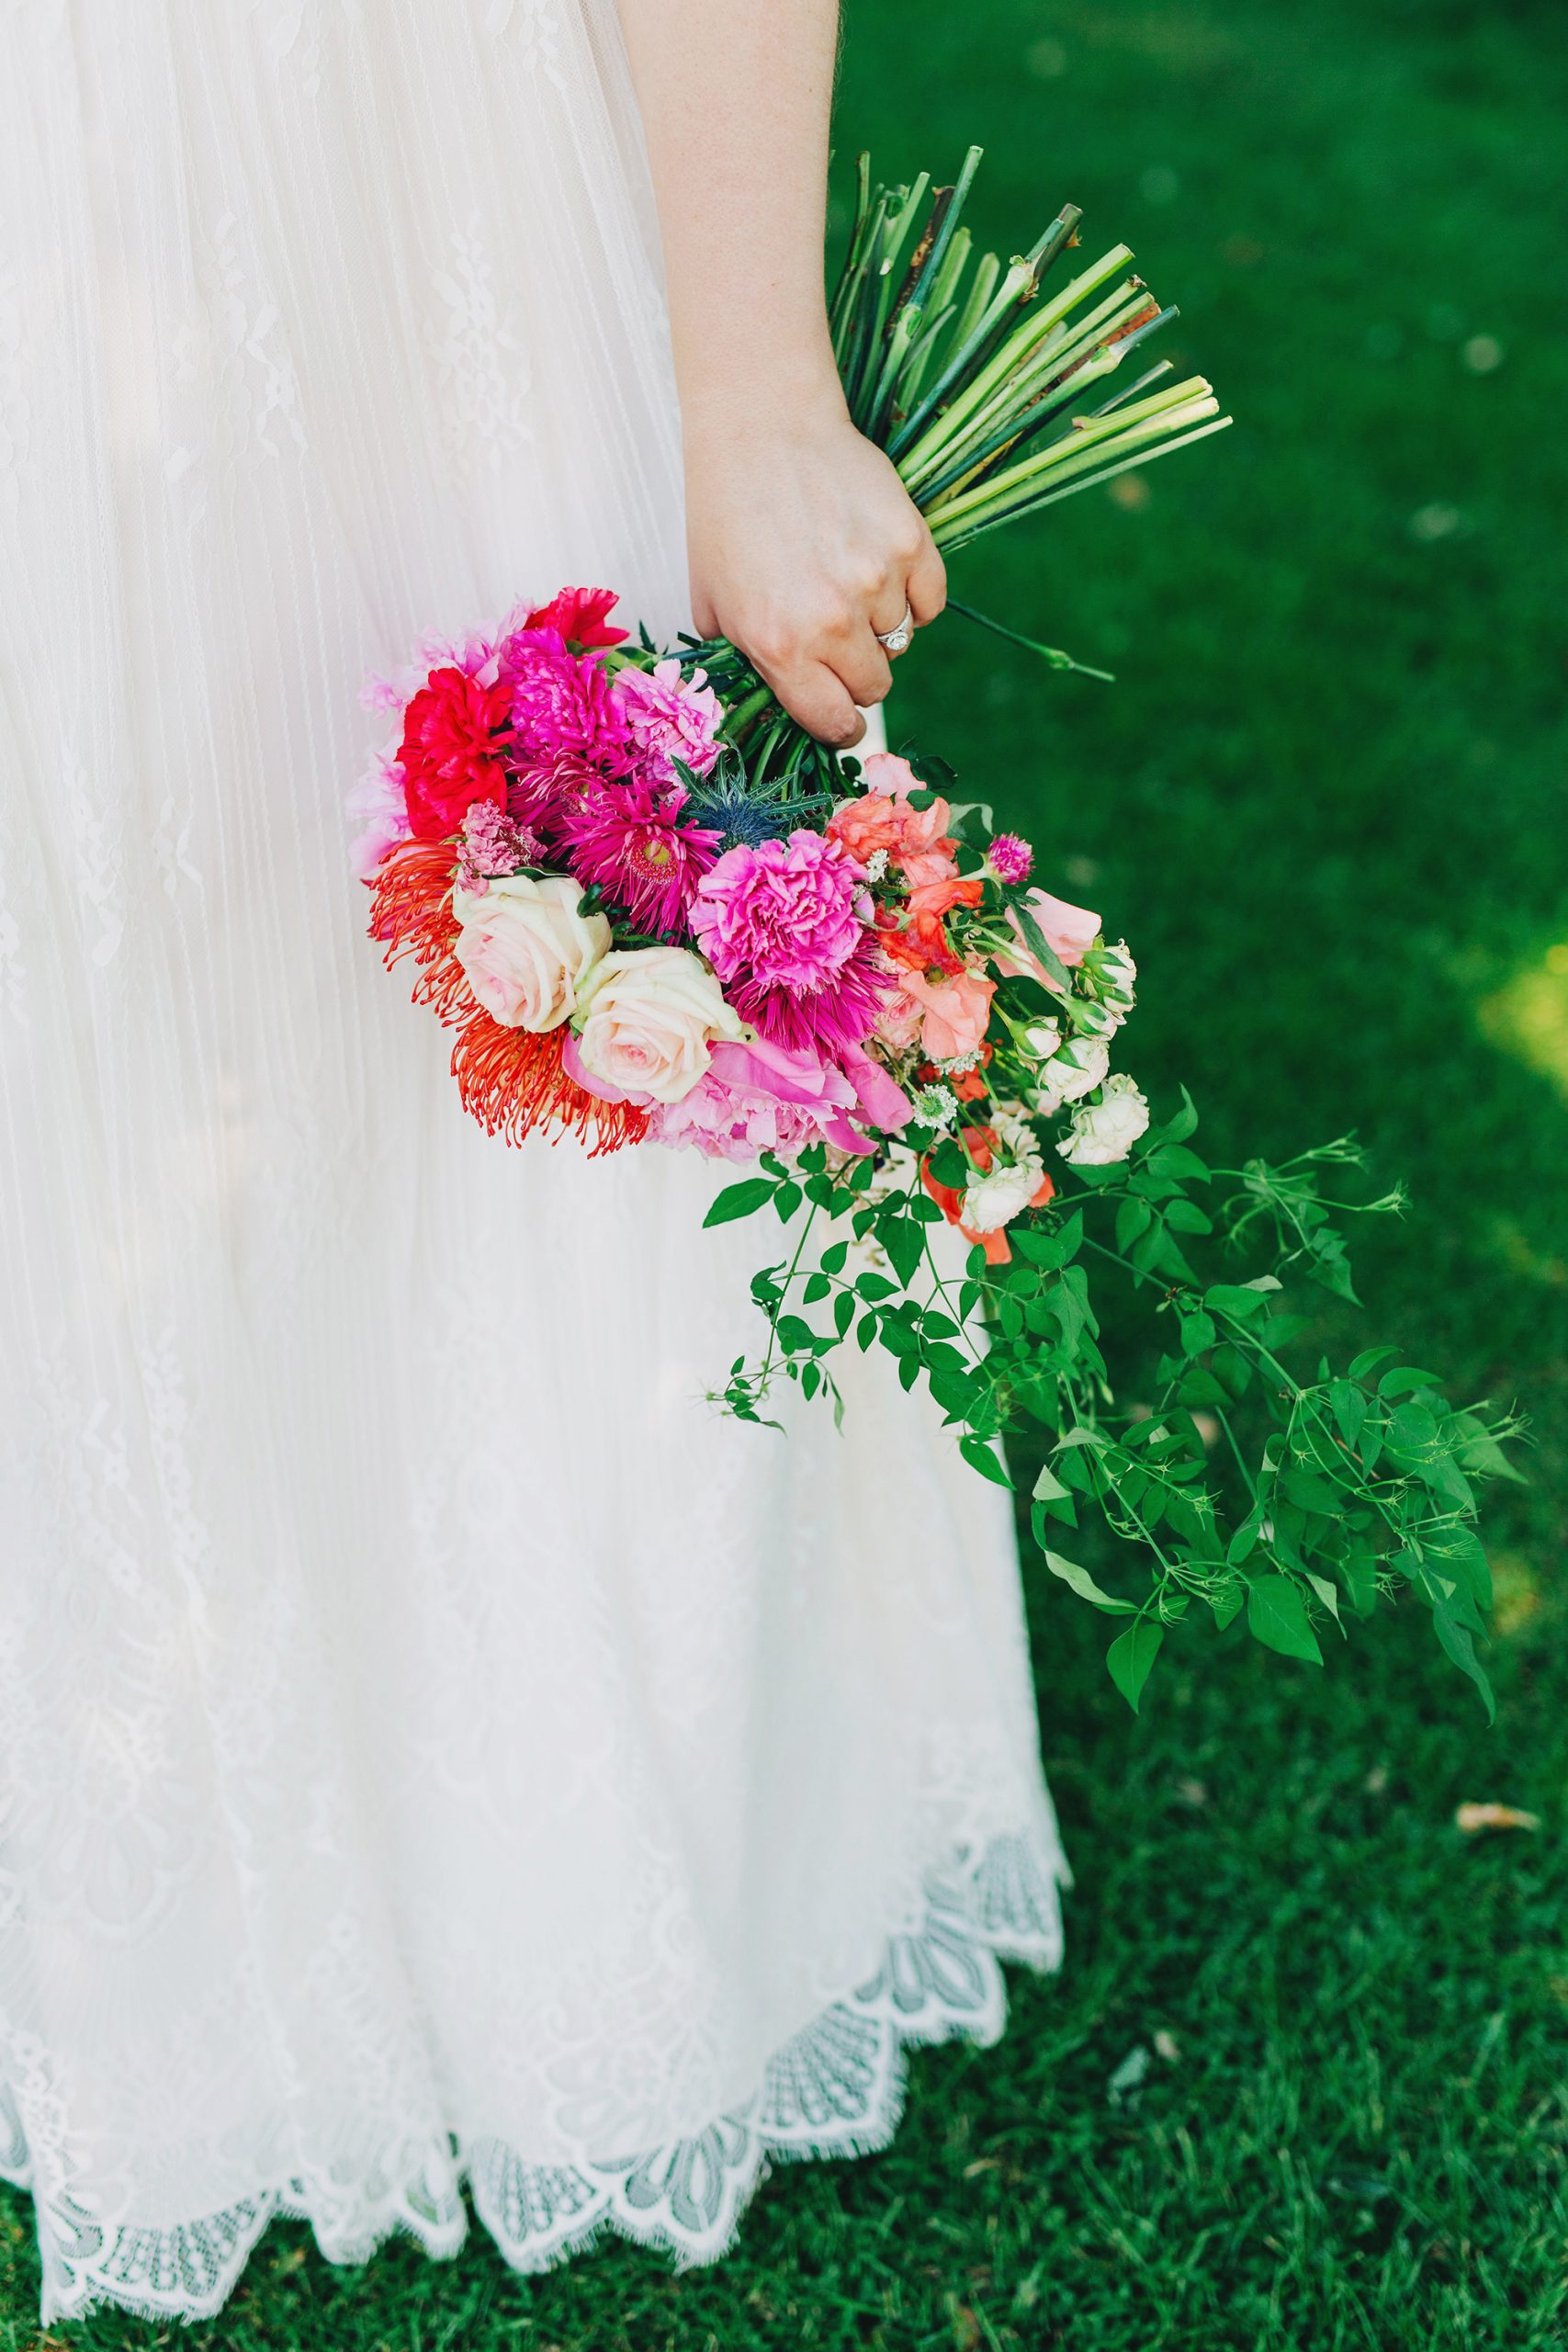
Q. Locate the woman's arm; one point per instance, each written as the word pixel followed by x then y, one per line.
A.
pixel 802 540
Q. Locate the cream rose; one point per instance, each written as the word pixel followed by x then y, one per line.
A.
pixel 995 1199
pixel 1107 1130
pixel 1068 1076
pixel 524 949
pixel 651 1014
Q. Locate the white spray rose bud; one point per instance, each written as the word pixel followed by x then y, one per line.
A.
pixel 1042 1038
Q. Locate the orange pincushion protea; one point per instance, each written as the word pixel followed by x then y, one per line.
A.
pixel 511 1081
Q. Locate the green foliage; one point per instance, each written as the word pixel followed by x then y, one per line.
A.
pixel 1252 1486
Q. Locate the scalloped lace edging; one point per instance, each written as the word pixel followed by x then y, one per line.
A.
pixel 836 2088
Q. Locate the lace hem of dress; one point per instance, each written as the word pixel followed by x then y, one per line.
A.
pixel 834 2089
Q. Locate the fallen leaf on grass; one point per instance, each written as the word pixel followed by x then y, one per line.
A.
pixel 1473 1818
pixel 1128 2079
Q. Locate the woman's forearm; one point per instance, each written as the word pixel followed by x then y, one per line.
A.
pixel 735 98
pixel 803 546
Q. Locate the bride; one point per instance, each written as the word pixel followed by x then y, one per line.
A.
pixel 436 1747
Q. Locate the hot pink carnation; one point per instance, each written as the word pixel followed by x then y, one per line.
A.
pixel 628 838
pixel 786 913
pixel 670 717
pixel 562 703
pixel 784 925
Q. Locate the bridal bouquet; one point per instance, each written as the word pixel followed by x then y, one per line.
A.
pixel 653 910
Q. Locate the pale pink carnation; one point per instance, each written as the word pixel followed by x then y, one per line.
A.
pixel 377 799
pixel 493 843
pixel 670 717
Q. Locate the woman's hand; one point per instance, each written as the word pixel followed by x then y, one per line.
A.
pixel 803 545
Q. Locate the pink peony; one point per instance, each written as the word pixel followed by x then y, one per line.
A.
pixel 757 1098
pixel 955 1013
pixel 1069 932
pixel 628 838
pixel 671 719
pixel 561 703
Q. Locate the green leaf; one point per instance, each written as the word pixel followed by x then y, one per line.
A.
pixel 1325 1593
pixel 1482 1455
pixel 1364 1363
pixel 844 1311
pixel 1459 1646
pixel 1048 1487
pixel 1348 1407
pixel 1310 1493
pixel 1175 1159
pixel 1360 1571
pixel 1404 1379
pixel 1226 1606
pixel 739 1200
pixel 1198 1333
pixel 905 1242
pixel 1178 1129
pixel 1186 1216
pixel 1277 1614
pixel 1234 1298
pixel 1132 1655
pixel 980 1456
pixel 1084 1584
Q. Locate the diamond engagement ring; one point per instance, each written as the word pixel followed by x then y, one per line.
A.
pixel 895 639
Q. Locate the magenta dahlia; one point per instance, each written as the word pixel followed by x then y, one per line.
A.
pixel 628 839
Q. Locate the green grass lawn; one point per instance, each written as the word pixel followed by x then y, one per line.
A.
pixel 1324 802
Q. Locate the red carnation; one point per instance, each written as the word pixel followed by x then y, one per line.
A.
pixel 579 613
pixel 453 733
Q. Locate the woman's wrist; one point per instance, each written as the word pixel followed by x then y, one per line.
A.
pixel 763 385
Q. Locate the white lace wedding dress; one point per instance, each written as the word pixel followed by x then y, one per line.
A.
pixel 435 1747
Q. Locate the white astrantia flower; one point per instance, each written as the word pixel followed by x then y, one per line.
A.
pixel 1076 1072
pixel 994 1199
pixel 1105 1132
pixel 876 865
pixel 934 1106
pixel 960 1064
